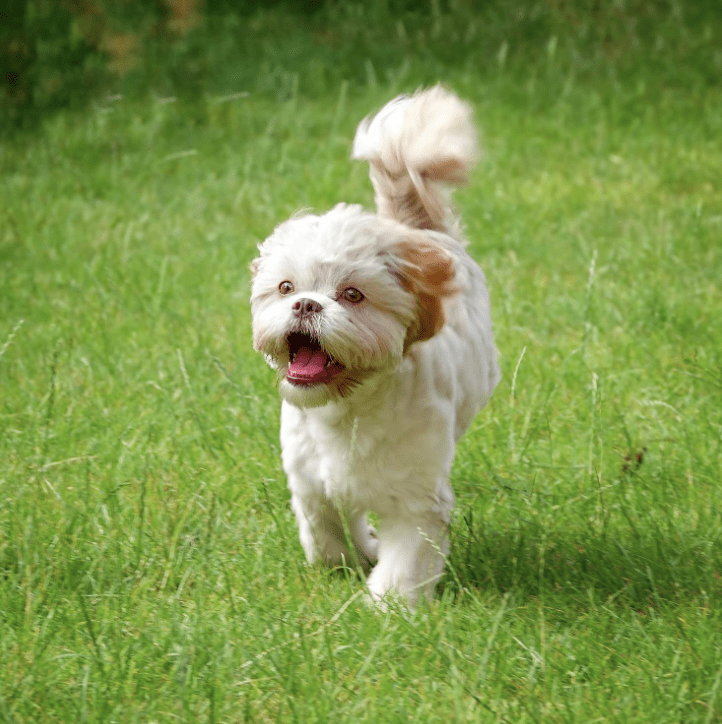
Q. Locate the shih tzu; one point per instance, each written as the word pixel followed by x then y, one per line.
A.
pixel 379 328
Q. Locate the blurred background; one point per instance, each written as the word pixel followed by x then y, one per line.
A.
pixel 61 53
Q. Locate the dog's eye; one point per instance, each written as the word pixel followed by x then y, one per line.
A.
pixel 352 295
pixel 285 287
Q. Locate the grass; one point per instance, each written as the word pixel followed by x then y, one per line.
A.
pixel 149 563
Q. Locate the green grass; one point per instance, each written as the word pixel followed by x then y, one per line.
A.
pixel 149 563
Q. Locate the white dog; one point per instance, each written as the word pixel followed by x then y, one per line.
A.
pixel 379 328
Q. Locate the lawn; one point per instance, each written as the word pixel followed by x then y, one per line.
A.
pixel 150 569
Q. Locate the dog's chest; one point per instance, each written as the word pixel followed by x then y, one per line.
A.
pixel 343 461
pixel 355 461
pixel 383 463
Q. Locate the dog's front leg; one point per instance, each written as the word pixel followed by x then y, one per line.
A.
pixel 411 557
pixel 327 534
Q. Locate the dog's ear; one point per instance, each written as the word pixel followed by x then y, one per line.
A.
pixel 253 266
pixel 426 270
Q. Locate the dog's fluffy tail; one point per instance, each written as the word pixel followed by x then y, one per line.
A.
pixel 417 147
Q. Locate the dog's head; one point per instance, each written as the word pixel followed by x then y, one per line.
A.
pixel 339 297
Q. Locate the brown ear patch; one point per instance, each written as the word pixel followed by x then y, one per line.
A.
pixel 428 273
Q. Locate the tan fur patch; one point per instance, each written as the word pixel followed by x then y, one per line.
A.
pixel 429 274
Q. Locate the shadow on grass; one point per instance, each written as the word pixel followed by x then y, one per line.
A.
pixel 637 570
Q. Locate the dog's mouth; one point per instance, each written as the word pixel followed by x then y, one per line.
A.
pixel 308 362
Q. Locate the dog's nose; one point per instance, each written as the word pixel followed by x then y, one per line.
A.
pixel 306 307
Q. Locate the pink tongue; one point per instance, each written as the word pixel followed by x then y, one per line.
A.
pixel 308 364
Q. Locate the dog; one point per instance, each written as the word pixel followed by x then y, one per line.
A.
pixel 379 328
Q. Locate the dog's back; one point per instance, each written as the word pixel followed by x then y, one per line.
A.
pixel 418 147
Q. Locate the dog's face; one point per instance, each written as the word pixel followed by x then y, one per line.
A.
pixel 338 297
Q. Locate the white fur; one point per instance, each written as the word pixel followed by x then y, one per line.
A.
pixel 417 354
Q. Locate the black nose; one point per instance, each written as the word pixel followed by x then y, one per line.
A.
pixel 306 307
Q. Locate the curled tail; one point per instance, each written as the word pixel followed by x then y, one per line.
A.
pixel 417 146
